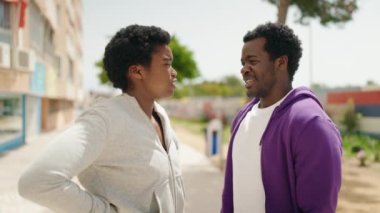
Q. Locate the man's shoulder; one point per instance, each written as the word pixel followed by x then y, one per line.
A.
pixel 303 111
pixel 305 107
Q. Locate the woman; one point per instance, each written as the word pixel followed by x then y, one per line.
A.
pixel 123 149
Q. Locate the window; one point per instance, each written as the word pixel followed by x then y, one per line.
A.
pixel 10 117
pixel 42 38
pixel 36 26
pixel 71 71
pixel 48 41
pixel 5 15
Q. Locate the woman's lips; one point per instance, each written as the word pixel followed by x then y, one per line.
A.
pixel 174 83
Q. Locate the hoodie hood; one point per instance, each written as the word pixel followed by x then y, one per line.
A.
pixel 295 95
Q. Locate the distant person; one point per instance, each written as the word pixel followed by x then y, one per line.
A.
pixel 123 149
pixel 285 152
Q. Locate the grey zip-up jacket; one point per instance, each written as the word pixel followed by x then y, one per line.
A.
pixel 118 158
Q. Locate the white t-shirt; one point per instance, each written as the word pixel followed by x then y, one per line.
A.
pixel 249 195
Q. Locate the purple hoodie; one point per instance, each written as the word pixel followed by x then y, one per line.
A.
pixel 300 158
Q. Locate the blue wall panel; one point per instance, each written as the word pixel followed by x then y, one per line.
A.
pixel 12 143
pixel 368 110
pixel 38 79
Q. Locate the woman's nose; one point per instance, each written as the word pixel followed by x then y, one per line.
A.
pixel 174 72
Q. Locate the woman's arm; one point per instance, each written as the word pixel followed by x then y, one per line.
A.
pixel 48 180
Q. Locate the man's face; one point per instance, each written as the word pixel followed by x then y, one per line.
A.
pixel 258 69
pixel 160 76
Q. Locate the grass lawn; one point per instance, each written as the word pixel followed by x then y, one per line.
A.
pixel 198 127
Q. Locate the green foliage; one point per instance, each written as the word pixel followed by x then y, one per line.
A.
pixel 328 11
pixel 229 86
pixel 194 126
pixel 370 145
pixel 233 81
pixel 377 151
pixel 235 85
pixel 197 127
pixel 183 63
pixel 103 78
pixel 350 118
pixel 371 83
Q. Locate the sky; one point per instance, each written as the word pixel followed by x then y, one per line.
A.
pixel 337 55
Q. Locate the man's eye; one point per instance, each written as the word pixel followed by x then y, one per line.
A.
pixel 253 62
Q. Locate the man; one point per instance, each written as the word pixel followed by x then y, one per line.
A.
pixel 123 149
pixel 285 152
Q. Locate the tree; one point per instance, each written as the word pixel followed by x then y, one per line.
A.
pixel 183 63
pixel 371 83
pixel 103 78
pixel 328 11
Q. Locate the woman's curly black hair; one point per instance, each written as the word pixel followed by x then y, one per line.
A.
pixel 132 45
pixel 280 40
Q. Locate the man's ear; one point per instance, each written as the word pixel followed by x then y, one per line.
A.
pixel 281 63
pixel 135 72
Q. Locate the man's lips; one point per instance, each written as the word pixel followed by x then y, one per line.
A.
pixel 249 82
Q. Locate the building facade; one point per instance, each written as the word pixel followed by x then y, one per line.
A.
pixel 40 67
pixel 366 102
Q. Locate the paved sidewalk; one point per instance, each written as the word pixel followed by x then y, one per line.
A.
pixel 203 181
pixel 12 164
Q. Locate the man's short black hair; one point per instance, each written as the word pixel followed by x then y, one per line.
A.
pixel 132 45
pixel 280 40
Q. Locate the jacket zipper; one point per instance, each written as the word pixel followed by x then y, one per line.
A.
pixel 168 145
pixel 166 151
pixel 173 183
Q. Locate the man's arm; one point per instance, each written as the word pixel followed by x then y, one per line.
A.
pixel 318 170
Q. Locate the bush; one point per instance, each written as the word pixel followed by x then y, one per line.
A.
pixel 350 118
pixel 352 143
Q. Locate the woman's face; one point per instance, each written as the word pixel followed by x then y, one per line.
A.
pixel 160 77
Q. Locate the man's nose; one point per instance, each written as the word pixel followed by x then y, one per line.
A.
pixel 244 69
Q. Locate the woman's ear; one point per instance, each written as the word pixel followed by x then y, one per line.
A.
pixel 135 72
